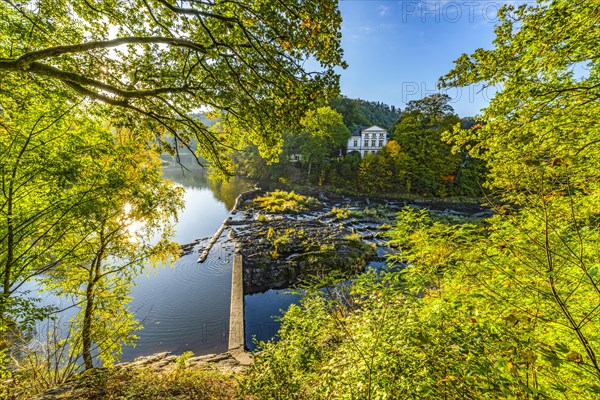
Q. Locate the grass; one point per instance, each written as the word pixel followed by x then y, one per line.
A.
pixel 353 237
pixel 281 201
pixel 377 212
pixel 177 381
pixel 341 213
pixel 181 383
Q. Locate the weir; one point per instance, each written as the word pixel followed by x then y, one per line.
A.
pixel 236 315
pixel 236 346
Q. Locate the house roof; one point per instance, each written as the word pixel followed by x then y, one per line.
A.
pixel 365 128
pixel 375 128
pixel 359 130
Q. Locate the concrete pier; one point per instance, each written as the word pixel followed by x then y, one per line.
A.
pixel 236 315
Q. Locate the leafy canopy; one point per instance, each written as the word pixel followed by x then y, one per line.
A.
pixel 418 131
pixel 157 61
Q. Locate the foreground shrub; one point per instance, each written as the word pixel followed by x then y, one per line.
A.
pixel 449 324
pixel 376 342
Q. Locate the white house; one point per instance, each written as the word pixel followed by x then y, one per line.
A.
pixel 367 140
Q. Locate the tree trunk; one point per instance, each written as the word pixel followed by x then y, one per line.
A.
pixel 86 330
pixel 10 253
pixel 10 239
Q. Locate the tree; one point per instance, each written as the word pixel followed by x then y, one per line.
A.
pixel 39 142
pixel 65 176
pixel 242 58
pixel 432 110
pixel 541 143
pixel 123 232
pixel 324 135
pixel 419 133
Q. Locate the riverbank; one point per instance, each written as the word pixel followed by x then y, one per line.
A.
pixel 469 206
pixel 161 375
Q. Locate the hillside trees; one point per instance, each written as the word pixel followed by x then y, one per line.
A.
pixel 243 58
pixel 357 112
pixel 419 133
pixel 323 135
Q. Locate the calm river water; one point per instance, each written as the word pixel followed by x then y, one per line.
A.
pixel 186 307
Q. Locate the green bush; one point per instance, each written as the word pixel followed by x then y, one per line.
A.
pixel 448 324
pixel 281 201
pixel 341 213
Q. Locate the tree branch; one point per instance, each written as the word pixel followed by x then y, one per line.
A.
pixel 56 51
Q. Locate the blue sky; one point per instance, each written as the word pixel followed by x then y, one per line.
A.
pixel 397 50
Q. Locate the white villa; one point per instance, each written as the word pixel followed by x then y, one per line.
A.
pixel 367 140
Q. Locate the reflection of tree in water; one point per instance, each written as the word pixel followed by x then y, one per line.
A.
pixel 191 175
pixel 186 172
pixel 227 192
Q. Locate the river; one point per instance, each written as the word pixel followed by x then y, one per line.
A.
pixel 186 307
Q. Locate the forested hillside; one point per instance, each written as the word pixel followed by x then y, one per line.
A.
pixel 357 112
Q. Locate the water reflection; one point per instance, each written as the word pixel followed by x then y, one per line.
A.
pixel 187 307
pixel 227 192
pixel 190 175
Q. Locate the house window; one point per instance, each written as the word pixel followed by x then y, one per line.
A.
pixel 372 143
pixel 381 136
pixel 381 143
pixel 356 143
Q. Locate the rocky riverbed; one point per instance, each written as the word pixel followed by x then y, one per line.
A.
pixel 336 233
pixel 282 249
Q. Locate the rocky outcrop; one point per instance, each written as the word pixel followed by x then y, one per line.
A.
pixel 282 252
pixel 224 362
pixel 283 249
